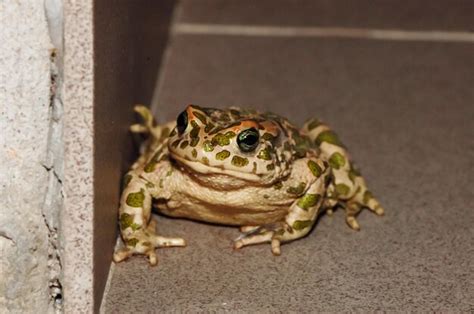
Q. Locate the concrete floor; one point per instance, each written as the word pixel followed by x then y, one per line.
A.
pixel 405 111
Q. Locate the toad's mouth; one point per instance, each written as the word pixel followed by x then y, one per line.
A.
pixel 206 169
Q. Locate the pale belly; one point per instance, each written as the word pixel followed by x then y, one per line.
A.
pixel 247 213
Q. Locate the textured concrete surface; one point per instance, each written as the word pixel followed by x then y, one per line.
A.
pixel 30 159
pixel 404 109
pixel 77 216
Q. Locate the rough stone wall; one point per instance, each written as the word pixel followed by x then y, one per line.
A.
pixel 31 171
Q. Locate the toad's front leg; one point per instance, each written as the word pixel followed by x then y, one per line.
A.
pixel 300 219
pixel 136 226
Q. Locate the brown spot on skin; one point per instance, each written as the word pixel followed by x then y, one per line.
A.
pixel 194 141
pixel 175 143
pixel 200 116
pixel 173 133
pixel 270 167
pixel 209 127
pixel 278 185
pixel 184 144
pixel 194 153
pixel 195 129
pixel 126 180
pixel 205 160
pixel 254 169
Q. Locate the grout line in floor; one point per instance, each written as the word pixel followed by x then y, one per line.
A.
pixel 343 32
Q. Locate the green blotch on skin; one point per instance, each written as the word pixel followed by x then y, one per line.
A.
pixel 328 179
pixel 184 144
pixel 268 137
pixel 367 196
pixel 353 173
pixel 169 172
pixel 222 155
pixel 175 143
pixel 266 196
pixel 302 144
pixel 314 124
pixel 136 199
pixel 239 161
pixel 342 189
pixel 146 243
pixel 161 183
pixel 132 242
pixel 302 224
pixel 264 154
pixel 149 185
pixel 308 200
pixel 337 161
pixel 297 190
pixel 194 153
pixel 126 221
pixel 209 127
pixel 278 185
pixel 200 116
pixel 205 160
pixel 279 232
pixel 315 168
pixel 126 180
pixel 194 141
pixel 195 129
pixel 220 139
pixel 328 137
pixel 150 166
pixel 235 113
pixel 270 167
pixel 229 134
pixel 207 146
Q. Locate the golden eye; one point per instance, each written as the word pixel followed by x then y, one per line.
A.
pixel 248 140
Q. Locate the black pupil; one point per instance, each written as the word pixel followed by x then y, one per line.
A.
pixel 182 122
pixel 248 140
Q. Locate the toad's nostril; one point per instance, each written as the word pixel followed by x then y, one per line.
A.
pixel 182 122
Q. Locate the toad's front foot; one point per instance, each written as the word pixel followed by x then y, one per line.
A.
pixel 145 243
pixel 261 234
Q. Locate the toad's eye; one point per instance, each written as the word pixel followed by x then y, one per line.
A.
pixel 182 122
pixel 248 140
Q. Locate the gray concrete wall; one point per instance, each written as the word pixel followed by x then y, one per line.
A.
pixel 30 156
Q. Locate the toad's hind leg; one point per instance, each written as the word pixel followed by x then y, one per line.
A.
pixel 348 187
